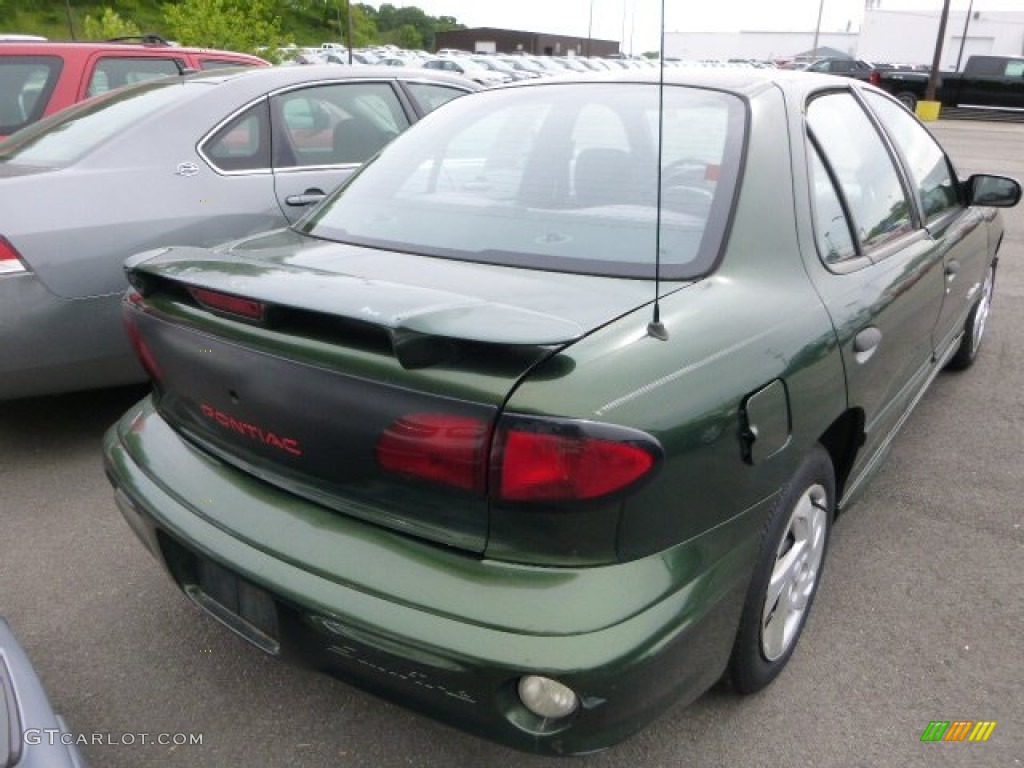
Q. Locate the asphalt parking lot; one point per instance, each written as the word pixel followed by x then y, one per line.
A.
pixel 919 617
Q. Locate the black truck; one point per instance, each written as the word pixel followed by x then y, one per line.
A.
pixel 987 81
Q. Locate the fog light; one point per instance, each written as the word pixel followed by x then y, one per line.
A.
pixel 546 697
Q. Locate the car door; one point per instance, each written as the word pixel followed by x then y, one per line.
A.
pixel 956 229
pixel 882 278
pixel 323 132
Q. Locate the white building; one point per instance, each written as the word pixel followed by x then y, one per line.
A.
pixel 753 45
pixel 909 37
pixel 906 37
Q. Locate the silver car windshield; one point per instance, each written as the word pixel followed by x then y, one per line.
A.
pixel 63 138
pixel 561 176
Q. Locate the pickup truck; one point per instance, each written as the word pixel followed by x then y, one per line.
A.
pixel 987 81
pixel 855 68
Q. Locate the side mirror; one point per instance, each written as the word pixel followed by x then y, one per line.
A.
pixel 997 191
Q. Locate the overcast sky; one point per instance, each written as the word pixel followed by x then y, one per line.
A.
pixel 623 19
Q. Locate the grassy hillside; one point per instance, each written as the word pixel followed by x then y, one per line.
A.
pixel 307 22
pixel 50 18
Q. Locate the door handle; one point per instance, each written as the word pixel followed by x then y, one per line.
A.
pixel 952 267
pixel 308 197
pixel 865 343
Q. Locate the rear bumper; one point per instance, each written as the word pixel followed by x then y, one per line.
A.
pixel 431 628
pixel 52 344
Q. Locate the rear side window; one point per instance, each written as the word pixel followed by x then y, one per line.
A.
pixel 863 167
pixel 831 227
pixel 26 83
pixel 222 64
pixel 113 72
pixel 559 177
pixel 243 143
pixel 72 133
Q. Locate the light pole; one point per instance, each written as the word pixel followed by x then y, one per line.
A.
pixel 817 28
pixel 348 16
pixel 933 78
pixel 590 27
pixel 963 38
pixel 71 27
pixel 622 36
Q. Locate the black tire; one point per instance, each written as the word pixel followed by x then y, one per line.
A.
pixel 907 99
pixel 802 518
pixel 974 328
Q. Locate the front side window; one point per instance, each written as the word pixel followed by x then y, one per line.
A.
pixel 925 160
pixel 862 165
pixel 559 176
pixel 334 124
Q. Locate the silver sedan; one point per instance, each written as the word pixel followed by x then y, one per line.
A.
pixel 194 160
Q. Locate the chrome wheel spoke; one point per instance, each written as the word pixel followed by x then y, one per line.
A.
pixel 981 315
pixel 795 573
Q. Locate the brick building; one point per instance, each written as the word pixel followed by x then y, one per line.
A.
pixel 490 40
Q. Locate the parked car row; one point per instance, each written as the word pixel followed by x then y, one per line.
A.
pixel 40 78
pixel 187 160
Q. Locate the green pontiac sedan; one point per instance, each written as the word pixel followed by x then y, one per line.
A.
pixel 542 420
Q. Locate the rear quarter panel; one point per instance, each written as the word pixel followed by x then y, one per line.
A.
pixel 76 226
pixel 755 320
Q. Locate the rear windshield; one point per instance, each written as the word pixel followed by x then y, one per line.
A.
pixel 557 176
pixel 61 139
pixel 26 83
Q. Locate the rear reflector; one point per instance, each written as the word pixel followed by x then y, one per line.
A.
pixel 225 302
pixel 441 448
pixel 545 466
pixel 10 259
pixel 142 350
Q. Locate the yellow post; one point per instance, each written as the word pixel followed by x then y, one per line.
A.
pixel 928 110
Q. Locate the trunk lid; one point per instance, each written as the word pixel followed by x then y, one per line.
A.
pixel 358 354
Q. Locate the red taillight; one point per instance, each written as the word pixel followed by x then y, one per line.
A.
pixel 225 302
pixel 543 466
pixel 142 351
pixel 875 78
pixel 441 448
pixel 10 259
pixel 534 459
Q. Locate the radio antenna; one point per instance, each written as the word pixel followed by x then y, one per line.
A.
pixel 656 328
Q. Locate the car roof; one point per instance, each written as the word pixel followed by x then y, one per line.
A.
pixel 743 81
pixel 284 76
pixel 42 47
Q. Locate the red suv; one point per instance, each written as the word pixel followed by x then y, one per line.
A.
pixel 40 78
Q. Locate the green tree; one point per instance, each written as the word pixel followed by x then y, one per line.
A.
pixel 406 36
pixel 109 25
pixel 247 26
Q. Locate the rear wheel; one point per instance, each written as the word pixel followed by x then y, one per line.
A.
pixel 786 575
pixel 907 99
pixel 974 328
